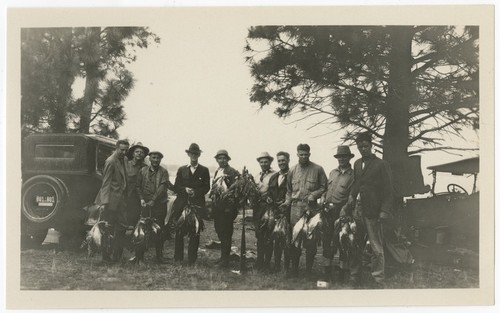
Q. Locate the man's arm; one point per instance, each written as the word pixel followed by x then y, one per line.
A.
pixel 388 196
pixel 178 187
pixel 138 185
pixel 322 183
pixel 288 198
pixel 108 172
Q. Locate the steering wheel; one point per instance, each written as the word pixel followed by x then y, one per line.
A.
pixel 454 188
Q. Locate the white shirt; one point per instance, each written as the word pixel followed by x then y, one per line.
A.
pixel 193 168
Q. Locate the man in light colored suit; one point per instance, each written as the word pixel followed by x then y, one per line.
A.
pixel 112 198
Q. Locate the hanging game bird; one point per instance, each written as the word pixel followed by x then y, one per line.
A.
pixel 267 224
pixel 345 232
pixel 190 223
pixel 281 232
pixel 99 238
pixel 146 233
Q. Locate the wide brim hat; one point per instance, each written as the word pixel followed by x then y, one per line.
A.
pixel 222 152
pixel 130 152
pixel 156 152
pixel 194 148
pixel 343 150
pixel 265 155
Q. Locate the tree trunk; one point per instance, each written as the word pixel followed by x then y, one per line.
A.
pixel 92 78
pixel 396 137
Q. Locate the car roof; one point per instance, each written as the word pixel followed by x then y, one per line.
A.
pixel 466 166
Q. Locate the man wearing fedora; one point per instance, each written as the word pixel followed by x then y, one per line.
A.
pixel 152 185
pixel 224 210
pixel 135 155
pixel 340 182
pixel 259 209
pixel 306 183
pixel 371 197
pixel 192 183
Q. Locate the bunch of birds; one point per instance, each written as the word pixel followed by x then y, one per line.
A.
pixel 190 223
pixel 99 238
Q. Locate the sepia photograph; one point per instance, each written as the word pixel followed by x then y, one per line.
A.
pixel 234 149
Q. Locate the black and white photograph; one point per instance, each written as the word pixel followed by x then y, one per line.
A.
pixel 283 151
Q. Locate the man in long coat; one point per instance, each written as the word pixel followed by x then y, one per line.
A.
pixel 111 198
pixel 372 199
pixel 135 155
pixel 192 183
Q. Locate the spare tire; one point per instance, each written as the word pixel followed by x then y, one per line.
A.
pixel 43 198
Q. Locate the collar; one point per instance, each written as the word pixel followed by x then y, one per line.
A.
pixel 195 167
pixel 266 172
pixel 151 169
pixel 348 169
pixel 283 174
pixel 368 158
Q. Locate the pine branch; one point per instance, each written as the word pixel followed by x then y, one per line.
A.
pixel 441 148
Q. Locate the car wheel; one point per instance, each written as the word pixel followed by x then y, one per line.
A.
pixel 43 197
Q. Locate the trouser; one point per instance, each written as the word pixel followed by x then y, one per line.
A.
pixel 263 252
pixel 327 240
pixel 118 220
pixel 223 223
pixel 374 231
pixel 297 210
pixel 133 209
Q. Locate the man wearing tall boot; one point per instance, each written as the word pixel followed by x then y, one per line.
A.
pixel 276 196
pixel 340 182
pixel 111 199
pixel 224 209
pixel 152 185
pixel 191 185
pixel 306 183
pixel 259 209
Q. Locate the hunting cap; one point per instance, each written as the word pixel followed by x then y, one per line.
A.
pixel 222 152
pixel 265 155
pixel 194 148
pixel 157 153
pixel 344 150
pixel 131 150
pixel 364 136
pixel 303 147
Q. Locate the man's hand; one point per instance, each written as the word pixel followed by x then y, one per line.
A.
pixel 269 200
pixel 190 192
pixel 102 207
pixel 384 217
pixel 143 203
pixel 311 200
pixel 346 210
pixel 150 203
pixel 283 207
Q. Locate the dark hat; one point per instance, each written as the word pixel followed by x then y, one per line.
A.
pixel 130 152
pixel 156 152
pixel 364 136
pixel 194 148
pixel 343 150
pixel 265 155
pixel 222 152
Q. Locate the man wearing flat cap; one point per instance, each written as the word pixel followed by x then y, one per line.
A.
pixel 262 181
pixel 371 197
pixel 192 183
pixel 135 155
pixel 340 182
pixel 152 185
pixel 306 183
pixel 224 209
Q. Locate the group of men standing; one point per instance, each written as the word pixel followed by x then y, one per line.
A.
pixel 131 189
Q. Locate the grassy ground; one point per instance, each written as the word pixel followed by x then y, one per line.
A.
pixel 48 269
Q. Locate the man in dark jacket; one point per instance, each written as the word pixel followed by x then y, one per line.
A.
pixel 276 196
pixel 224 209
pixel 372 199
pixel 191 185
pixel 152 185
pixel 111 198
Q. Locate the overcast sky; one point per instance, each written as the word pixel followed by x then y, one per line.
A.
pixel 194 87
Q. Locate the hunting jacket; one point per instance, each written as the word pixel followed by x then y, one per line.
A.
pixel 114 184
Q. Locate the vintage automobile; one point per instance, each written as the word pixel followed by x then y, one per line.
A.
pixel 61 174
pixel 446 220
